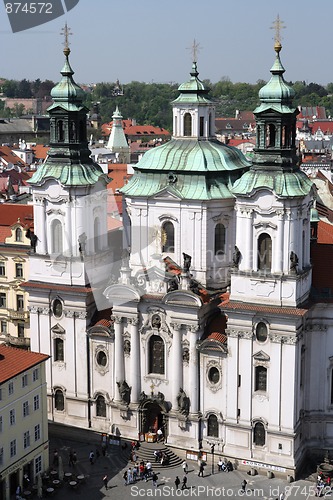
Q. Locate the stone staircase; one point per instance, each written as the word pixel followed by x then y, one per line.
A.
pixel 146 453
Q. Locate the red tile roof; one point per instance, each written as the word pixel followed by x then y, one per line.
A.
pixel 40 151
pixel 7 156
pixel 11 213
pixel 61 288
pixel 14 361
pixel 286 311
pixel 322 271
pixel 325 233
pixel 215 330
pixel 136 130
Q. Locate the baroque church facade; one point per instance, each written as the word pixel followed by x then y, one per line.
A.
pixel 208 333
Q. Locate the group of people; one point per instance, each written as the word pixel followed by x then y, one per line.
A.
pixel 161 457
pixel 139 471
pixel 321 484
pixel 224 465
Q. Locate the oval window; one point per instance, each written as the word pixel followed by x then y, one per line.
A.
pixel 57 308
pixel 101 358
pixel 214 375
pixel 261 332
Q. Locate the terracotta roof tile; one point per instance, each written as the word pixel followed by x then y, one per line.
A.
pixel 14 361
pixel 40 151
pixel 286 311
pixel 325 233
pixel 10 213
pixel 8 156
pixel 61 288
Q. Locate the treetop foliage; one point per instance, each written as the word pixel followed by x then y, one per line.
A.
pixel 150 103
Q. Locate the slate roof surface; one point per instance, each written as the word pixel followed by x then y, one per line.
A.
pixel 14 361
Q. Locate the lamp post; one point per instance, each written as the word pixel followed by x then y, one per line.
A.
pixel 212 448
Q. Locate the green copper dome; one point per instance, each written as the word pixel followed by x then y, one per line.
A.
pixel 192 155
pixel 194 90
pixel 282 183
pixel 276 94
pixel 67 89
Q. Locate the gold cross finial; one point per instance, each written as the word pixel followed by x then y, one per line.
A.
pixel 152 387
pixel 277 25
pixel 66 32
pixel 194 50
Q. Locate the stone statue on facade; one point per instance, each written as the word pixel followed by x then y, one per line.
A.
pixel 173 284
pixel 293 262
pixel 186 262
pixel 33 239
pixel 124 391
pixel 82 243
pixel 183 402
pixel 236 257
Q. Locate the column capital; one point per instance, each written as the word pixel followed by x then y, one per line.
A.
pixel 133 321
pixel 176 326
pixel 116 319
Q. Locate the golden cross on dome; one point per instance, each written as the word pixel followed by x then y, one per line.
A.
pixel 194 50
pixel 152 387
pixel 66 32
pixel 277 25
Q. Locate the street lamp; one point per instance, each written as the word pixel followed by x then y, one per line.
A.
pixel 212 448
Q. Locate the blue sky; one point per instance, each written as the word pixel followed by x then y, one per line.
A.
pixel 148 40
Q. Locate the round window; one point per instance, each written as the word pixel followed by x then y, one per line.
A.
pixel 261 332
pixel 102 358
pixel 57 308
pixel 214 375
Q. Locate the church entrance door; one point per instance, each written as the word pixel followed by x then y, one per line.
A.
pixel 154 418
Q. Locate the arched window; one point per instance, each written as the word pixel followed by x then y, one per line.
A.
pixel 260 378
pixel 60 126
pixel 82 131
pixel 58 349
pixel 156 355
pixel 212 426
pixel 259 434
pixel 59 401
pixel 56 236
pixel 97 226
pixel 168 237
pixel 18 234
pixel 188 124
pixel 270 137
pixel 202 124
pixel 219 247
pixel 264 252
pixel 100 407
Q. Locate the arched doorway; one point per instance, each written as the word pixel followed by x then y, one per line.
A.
pixel 153 413
pixel 153 418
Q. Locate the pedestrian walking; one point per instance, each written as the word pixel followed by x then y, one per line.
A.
pixel 184 483
pixel 71 459
pixel 155 478
pixel 125 477
pixel 185 467
pixel 91 457
pixel 105 481
pixel 55 458
pixel 177 482
pixel 243 485
pixel 74 458
pixel 103 449
pixel 201 470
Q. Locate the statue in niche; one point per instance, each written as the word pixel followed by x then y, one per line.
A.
pixel 183 402
pixel 127 346
pixel 82 243
pixel 293 262
pixel 186 262
pixel 156 321
pixel 186 355
pixel 236 257
pixel 124 391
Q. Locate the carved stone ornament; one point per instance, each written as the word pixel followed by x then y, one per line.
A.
pixel 33 309
pixel 214 387
pixel 69 313
pixel 242 334
pixel 44 310
pixel 148 329
pixel 117 319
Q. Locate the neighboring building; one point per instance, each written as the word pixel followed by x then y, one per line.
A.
pixel 15 221
pixel 23 418
pixel 27 129
pixel 215 334
pixel 117 142
pixel 34 106
pixel 134 132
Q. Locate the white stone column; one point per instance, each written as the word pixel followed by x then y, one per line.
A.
pixel 135 360
pixel 247 254
pixel 40 229
pixel 68 228
pixel 194 370
pixel 119 365
pixel 177 363
pixel 278 261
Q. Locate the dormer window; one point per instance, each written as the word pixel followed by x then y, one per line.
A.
pixel 18 234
